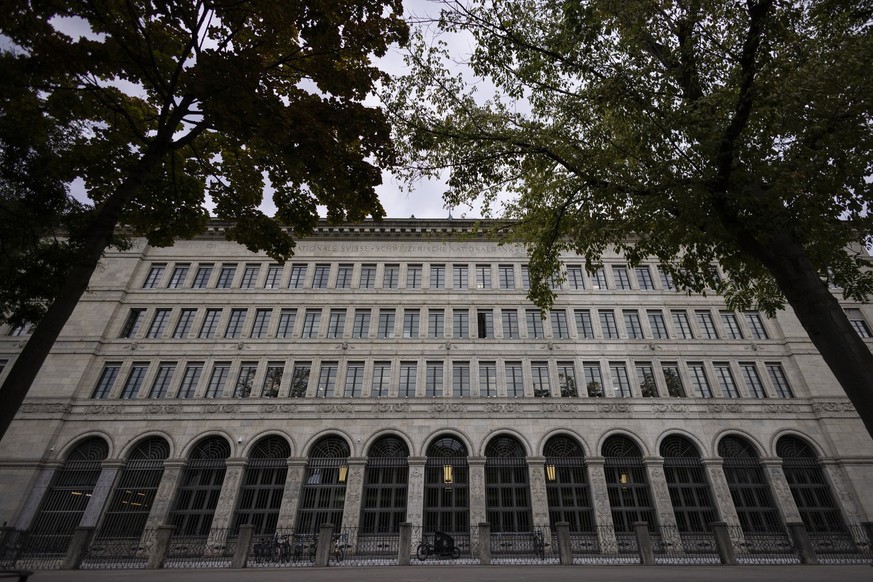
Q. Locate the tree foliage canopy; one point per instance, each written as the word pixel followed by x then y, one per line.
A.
pixel 693 131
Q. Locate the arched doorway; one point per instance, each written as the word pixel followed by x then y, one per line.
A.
pixel 386 479
pixel 263 485
pixel 200 487
pixel 748 485
pixel 507 489
pixel 323 492
pixel 627 484
pixel 809 486
pixel 446 487
pixel 567 486
pixel 689 489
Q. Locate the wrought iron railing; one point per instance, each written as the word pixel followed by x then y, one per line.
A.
pixel 426 550
pixel 214 550
pixel 107 553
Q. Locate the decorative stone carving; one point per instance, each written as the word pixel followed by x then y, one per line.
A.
pixel 287 408
pixel 675 407
pixel 226 408
pixel 105 409
pixel 154 408
pixel 776 408
pixel 447 407
pixel 172 408
pixel 558 407
pixel 613 407
pixel 396 407
pixel 728 407
pixel 841 489
pixel 335 408
pixel 268 408
pixel 45 407
pixel 832 407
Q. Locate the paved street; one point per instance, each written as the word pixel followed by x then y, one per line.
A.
pixel 479 574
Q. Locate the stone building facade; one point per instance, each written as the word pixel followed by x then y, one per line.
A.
pixel 395 372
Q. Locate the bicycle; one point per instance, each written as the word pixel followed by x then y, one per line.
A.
pixel 274 549
pixel 337 552
pixel 443 546
pixel 539 544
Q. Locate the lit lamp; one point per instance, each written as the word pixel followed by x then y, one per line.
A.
pixel 623 479
pixel 343 473
pixel 447 475
pixel 550 472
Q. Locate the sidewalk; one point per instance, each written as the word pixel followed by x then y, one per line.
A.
pixel 477 574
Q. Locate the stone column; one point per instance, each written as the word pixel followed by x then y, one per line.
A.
pixel 485 543
pixel 415 492
pixel 158 553
pixel 644 543
pixel 539 502
pixel 797 532
pixel 404 547
pixel 159 514
pixel 291 495
pixel 724 503
pixel 34 497
pixel 565 550
pixel 781 492
pixel 663 504
pixel 723 543
pixel 79 544
pixel 100 494
pixel 600 503
pixel 226 504
pixel 352 505
pixel 243 545
pixel 477 490
pixel 843 496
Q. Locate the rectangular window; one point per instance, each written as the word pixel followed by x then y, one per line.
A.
pixel 261 323
pixel 575 277
pixel 646 378
pixel 567 380
pixel 699 381
pixel 706 324
pixel 368 277
pixel 598 279
pixel 354 380
pixel 201 279
pixel 106 382
pixel 321 276
pixel 336 323
pixel 344 276
pixel 225 276
pixel 608 324
pixel 437 276
pixel 210 324
pixel 298 277
pixel 621 276
pixel 514 380
pixel 177 279
pixel 217 381
pixel 391 277
pixel 753 381
pixel 436 323
pixel 300 379
pixel 461 379
pixel 644 278
pixel 525 277
pixel 593 379
pixel 483 276
pixel 859 324
pixel 408 379
pixel 190 380
pixel 159 323
pixel 326 380
pixel 510 324
pixel 461 323
pixel 485 323
pixel 487 379
pixel 620 381
pixel 132 323
pixel 246 380
pixel 381 379
pixel 134 381
pixel 250 276
pixel 534 321
pixel 273 380
pixel 235 323
pixel 584 327
pixel 186 321
pixel 507 276
pixel 433 382
pixel 632 323
pixel 666 278
pixel 386 324
pixel 287 319
pixel 779 381
pixel 311 323
pixel 161 385
pixel 413 277
pixel 361 326
pixel 673 379
pixel 274 277
pixel 756 326
pixel 153 279
pixel 731 325
pixel 411 319
pixel 726 380
pixel 539 371
pixel 658 325
pixel 459 278
pixel 682 325
pixel 560 330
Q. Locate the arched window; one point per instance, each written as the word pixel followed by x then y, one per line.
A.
pixel 385 485
pixel 689 489
pixel 324 485
pixel 260 494
pixel 809 487
pixel 67 497
pixel 446 487
pixel 749 488
pixel 507 494
pixel 567 485
pixel 630 498
pixel 135 491
pixel 200 487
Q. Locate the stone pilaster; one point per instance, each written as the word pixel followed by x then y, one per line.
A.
pixel 352 505
pixel 291 494
pixel 102 489
pixel 781 491
pixel 539 503
pixel 724 503
pixel 663 504
pixel 415 492
pixel 843 495
pixel 600 503
pixel 34 497
pixel 477 491
pixel 226 502
pixel 159 513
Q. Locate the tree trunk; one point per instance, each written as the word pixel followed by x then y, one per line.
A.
pixel 97 238
pixel 823 318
